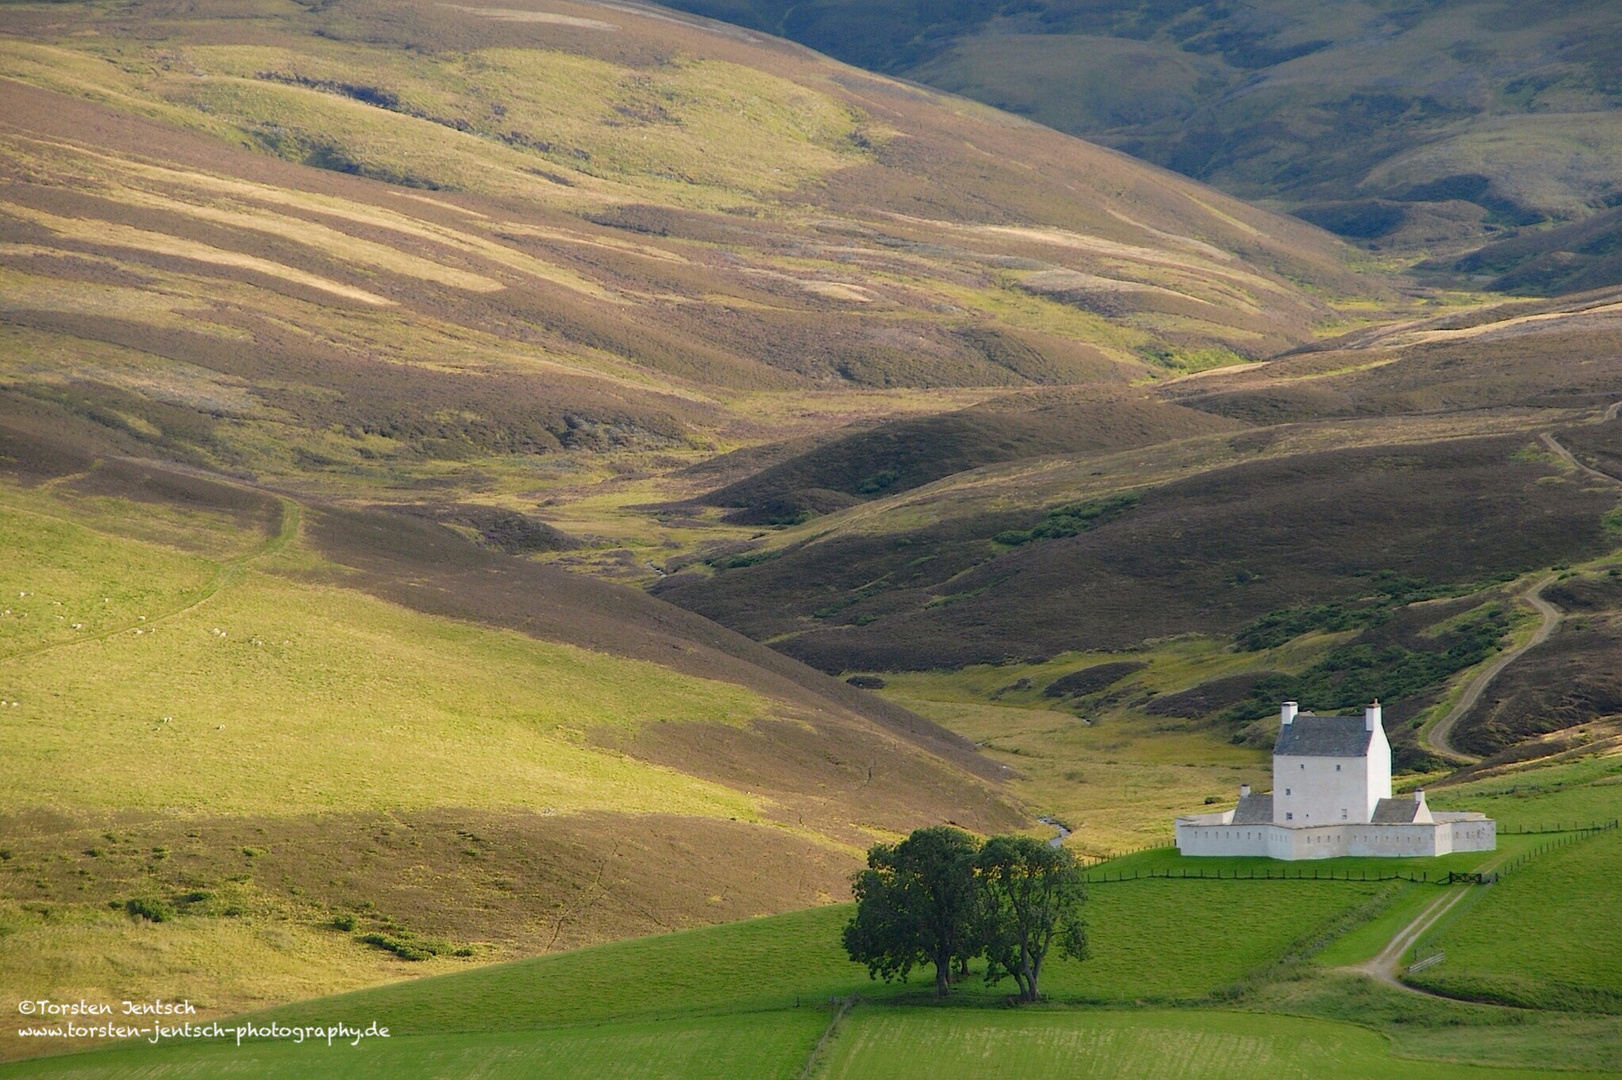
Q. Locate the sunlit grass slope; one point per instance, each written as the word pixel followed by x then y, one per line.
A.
pixel 285 695
pixel 235 776
pixel 1543 939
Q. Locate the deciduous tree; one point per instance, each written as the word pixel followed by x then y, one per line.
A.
pixel 1030 895
pixel 915 903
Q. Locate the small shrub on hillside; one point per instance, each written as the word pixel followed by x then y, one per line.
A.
pixel 879 481
pixel 405 950
pixel 1358 671
pixel 149 908
pixel 1072 520
pixel 344 922
pixel 1277 627
pixel 409 947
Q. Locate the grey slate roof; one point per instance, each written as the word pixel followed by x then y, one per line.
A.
pixel 1399 811
pixel 1253 810
pixel 1323 736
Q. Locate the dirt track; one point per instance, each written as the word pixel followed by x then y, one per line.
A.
pixel 1438 738
pixel 1385 965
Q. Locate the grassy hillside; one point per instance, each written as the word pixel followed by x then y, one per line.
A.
pixel 1541 940
pixel 756 995
pixel 459 241
pixel 240 773
pixel 1407 126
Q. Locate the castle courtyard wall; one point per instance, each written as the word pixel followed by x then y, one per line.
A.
pixel 1223 839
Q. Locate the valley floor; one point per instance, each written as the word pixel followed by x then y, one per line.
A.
pixel 1171 991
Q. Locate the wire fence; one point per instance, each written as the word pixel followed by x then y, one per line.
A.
pixel 1570 836
pixel 1558 827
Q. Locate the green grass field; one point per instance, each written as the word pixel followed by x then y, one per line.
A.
pixel 946 1044
pixel 751 998
pixel 1544 937
pixel 1580 793
pixel 874 1043
pixel 1152 940
pixel 760 1046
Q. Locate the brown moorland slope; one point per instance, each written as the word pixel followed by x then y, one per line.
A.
pixel 1363 482
pixel 420 231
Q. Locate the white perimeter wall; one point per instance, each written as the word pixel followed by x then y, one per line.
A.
pixel 1334 841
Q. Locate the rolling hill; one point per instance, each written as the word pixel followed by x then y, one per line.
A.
pixel 453 458
pixel 1381 489
pixel 1407 126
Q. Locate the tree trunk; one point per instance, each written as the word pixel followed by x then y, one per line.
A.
pixel 943 978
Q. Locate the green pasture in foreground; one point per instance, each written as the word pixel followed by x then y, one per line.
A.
pixel 756 1046
pixel 875 1043
pixel 750 998
pixel 1152 940
pixel 1543 938
pixel 948 1044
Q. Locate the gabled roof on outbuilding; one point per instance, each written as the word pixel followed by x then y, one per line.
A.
pixel 1398 811
pixel 1253 810
pixel 1323 736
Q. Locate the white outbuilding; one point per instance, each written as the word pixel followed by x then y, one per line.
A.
pixel 1331 797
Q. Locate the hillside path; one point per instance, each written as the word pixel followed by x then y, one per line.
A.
pixel 229 571
pixel 1570 459
pixel 1387 964
pixel 1439 738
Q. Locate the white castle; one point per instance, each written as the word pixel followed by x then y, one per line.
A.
pixel 1331 797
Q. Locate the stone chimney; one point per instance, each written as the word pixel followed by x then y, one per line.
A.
pixel 1422 810
pixel 1244 791
pixel 1287 712
pixel 1371 715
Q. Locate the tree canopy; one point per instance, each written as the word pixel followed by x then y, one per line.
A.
pixel 939 896
pixel 916 903
pixel 1030 895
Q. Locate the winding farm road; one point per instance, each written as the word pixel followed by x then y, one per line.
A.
pixel 1439 736
pixel 1566 455
pixel 1387 965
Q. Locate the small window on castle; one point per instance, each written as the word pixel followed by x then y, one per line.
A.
pixel 1337 768
pixel 1289 817
pixel 1303 766
pixel 1343 815
pixel 1286 791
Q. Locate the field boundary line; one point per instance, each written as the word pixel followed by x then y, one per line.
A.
pixel 827 1037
